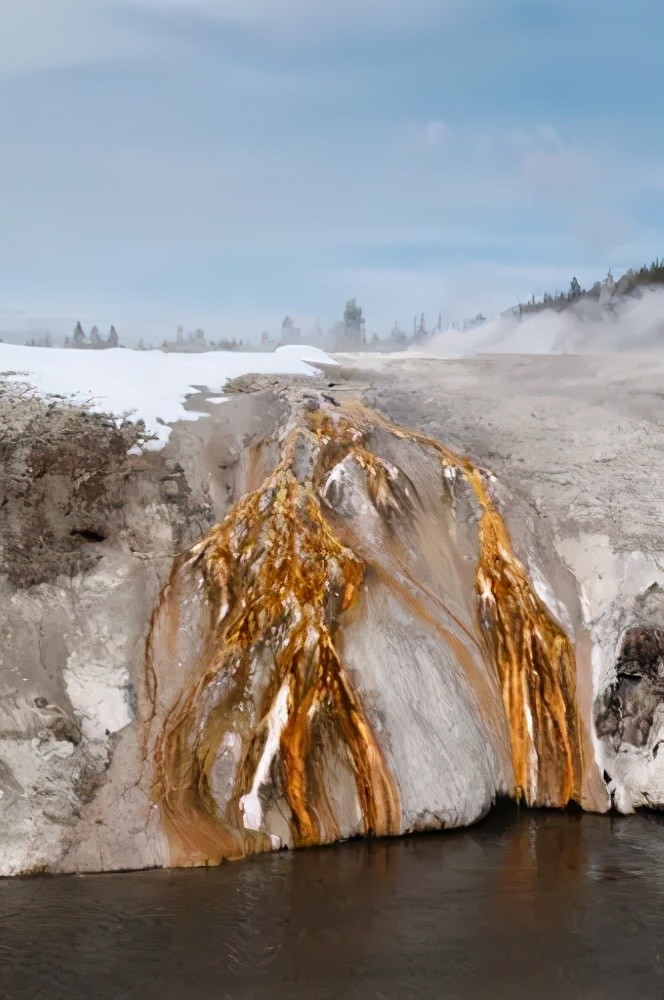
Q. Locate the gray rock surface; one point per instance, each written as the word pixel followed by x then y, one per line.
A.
pixel 576 445
pixel 581 440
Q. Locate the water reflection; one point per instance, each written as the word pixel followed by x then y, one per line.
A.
pixel 526 904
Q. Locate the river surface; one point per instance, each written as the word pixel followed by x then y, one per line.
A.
pixel 524 905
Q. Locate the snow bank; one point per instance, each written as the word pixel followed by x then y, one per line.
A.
pixel 147 385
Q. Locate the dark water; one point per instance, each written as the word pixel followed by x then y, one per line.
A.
pixel 530 905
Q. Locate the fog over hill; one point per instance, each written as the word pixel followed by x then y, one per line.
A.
pixel 615 314
pixel 584 327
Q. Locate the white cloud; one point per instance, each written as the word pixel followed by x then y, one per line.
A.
pixel 227 177
pixel 297 19
pixel 38 35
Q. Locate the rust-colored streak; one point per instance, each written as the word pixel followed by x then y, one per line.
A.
pixel 196 833
pixel 295 753
pixel 537 670
pixel 534 657
pixel 276 578
pixel 165 601
pixel 378 797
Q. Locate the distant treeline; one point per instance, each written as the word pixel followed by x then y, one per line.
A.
pixel 350 333
pixel 646 277
pixel 95 342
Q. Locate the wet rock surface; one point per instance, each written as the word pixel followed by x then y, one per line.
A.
pixel 579 488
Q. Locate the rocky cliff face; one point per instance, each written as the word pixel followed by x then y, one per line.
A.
pixel 372 657
pixel 304 622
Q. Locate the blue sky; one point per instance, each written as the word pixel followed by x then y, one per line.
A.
pixel 224 162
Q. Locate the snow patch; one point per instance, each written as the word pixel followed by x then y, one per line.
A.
pixel 147 385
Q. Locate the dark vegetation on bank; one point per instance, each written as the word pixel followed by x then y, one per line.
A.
pixel 63 482
pixel 632 282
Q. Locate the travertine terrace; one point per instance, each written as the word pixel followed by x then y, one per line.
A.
pixel 351 605
pixel 272 691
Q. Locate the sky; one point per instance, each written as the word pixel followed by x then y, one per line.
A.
pixel 223 163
